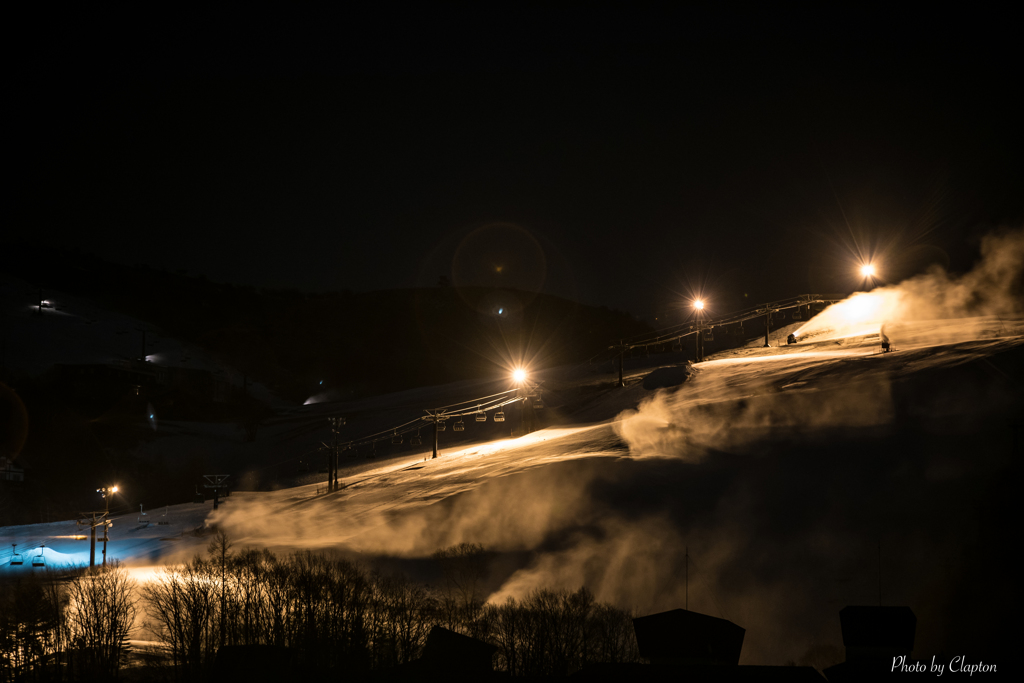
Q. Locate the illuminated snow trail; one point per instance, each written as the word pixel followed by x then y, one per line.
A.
pixel 373 499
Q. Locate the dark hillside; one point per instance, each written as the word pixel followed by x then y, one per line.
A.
pixel 356 343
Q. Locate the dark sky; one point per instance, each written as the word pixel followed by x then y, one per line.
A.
pixel 624 158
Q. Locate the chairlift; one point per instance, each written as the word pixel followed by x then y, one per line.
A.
pixel 416 440
pixel 708 336
pixel 396 438
pixel 16 557
pixel 373 452
pixel 797 315
pixel 440 425
pixel 481 417
pixel 39 560
pixel 538 402
pixel 499 416
pixel 678 346
pixel 459 426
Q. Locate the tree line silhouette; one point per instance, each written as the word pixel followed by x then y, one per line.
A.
pixel 331 615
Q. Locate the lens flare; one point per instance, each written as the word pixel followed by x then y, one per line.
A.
pixel 867 270
pixel 698 304
pixel 519 375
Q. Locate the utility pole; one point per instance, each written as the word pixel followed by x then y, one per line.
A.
pixel 767 324
pixel 332 457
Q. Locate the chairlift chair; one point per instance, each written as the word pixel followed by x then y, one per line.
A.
pixel 678 346
pixel 440 425
pixel 797 315
pixel 396 438
pixel 499 416
pixel 16 558
pixel 481 417
pixel 538 402
pixel 416 440
pixel 708 336
pixel 459 426
pixel 39 560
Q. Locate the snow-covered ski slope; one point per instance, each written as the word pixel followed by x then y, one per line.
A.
pixel 375 495
pixel 790 476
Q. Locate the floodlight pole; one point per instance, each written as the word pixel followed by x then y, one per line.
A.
pixel 767 325
pixel 106 524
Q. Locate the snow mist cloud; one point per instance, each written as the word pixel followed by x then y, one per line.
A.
pixel 992 291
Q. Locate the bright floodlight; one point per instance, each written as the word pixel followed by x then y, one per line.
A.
pixel 519 375
pixel 113 490
pixel 867 270
pixel 698 304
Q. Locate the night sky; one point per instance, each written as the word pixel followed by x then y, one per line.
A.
pixel 628 159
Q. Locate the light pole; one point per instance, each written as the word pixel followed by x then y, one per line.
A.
pixel 698 307
pixel 519 376
pixel 106 492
